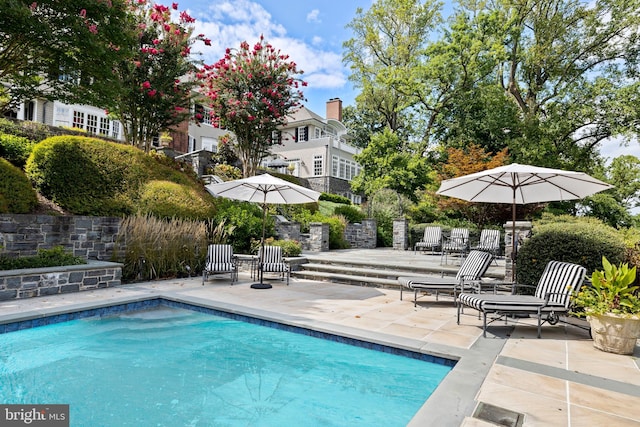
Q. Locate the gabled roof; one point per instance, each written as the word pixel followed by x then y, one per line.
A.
pixel 303 114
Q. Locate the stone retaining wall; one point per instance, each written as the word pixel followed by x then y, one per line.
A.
pixel 86 236
pixel 34 282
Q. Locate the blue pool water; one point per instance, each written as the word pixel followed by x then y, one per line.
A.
pixel 168 366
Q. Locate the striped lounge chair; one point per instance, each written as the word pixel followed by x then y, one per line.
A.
pixel 220 259
pixel 552 297
pixel 468 277
pixel 457 242
pixel 272 262
pixel 432 240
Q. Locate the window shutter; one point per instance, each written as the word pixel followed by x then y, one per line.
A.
pixel 306 133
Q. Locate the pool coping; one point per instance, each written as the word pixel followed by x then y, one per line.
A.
pixel 452 401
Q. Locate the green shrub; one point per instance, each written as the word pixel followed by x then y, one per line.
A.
pixel 165 199
pixel 16 193
pixel 246 218
pixel 152 248
pixel 33 131
pixel 582 242
pixel 336 223
pixel 15 149
pixel 54 257
pixel 353 214
pixel 334 198
pixel 89 176
pixel 290 248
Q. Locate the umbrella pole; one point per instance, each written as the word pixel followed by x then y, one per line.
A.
pixel 513 237
pixel 261 284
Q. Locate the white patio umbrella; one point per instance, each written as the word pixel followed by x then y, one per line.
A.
pixel 264 189
pixel 521 184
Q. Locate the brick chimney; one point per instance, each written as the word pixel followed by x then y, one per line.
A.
pixel 334 109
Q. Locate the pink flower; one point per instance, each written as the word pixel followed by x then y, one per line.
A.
pixel 152 92
pixel 156 41
pixel 174 6
pixel 83 13
pixel 207 42
pixel 146 85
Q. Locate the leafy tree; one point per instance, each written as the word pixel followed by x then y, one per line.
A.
pixel 158 85
pixel 624 174
pixel 62 49
pixel 564 69
pixel 465 161
pixel 388 43
pixel 251 90
pixel 362 124
pixel 386 163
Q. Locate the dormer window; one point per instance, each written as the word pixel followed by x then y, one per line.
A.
pixel 302 133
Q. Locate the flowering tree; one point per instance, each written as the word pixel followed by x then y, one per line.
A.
pixel 157 86
pixel 251 91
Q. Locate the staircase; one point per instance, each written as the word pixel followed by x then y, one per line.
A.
pixel 364 273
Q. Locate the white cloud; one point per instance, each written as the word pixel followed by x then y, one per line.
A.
pixel 314 16
pixel 618 146
pixel 229 22
pixel 317 40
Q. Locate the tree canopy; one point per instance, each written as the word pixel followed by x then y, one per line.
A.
pixel 62 49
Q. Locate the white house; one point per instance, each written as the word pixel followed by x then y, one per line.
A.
pixel 317 149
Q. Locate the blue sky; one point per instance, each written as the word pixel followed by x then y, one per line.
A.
pixel 311 32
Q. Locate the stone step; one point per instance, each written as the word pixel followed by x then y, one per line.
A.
pixel 390 272
pixel 348 279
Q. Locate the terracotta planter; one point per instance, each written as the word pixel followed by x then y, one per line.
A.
pixel 613 333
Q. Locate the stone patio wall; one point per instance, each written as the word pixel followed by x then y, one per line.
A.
pixel 35 282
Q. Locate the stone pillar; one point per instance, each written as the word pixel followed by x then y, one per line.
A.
pixel 400 234
pixel 318 237
pixel 522 232
pixel 288 230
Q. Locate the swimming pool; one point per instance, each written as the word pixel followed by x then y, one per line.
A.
pixel 164 365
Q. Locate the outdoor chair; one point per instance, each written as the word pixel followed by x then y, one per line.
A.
pixel 489 242
pixel 432 239
pixel 467 278
pixel 456 243
pixel 273 262
pixel 552 297
pixel 220 259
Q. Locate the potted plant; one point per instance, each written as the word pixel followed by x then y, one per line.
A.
pixel 612 307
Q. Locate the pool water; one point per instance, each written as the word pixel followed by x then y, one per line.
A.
pixel 176 367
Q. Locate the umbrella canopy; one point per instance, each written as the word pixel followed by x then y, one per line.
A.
pixel 264 189
pixel 521 184
pixel 277 163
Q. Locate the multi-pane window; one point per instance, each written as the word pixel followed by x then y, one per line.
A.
pixel 318 166
pixel 317 133
pixel 302 133
pixel 115 129
pixel 275 137
pixel 343 168
pixel 104 126
pixel 92 124
pixel 78 119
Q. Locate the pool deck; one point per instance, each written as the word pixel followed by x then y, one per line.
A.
pixel 558 380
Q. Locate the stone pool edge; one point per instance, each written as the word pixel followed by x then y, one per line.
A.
pixel 452 401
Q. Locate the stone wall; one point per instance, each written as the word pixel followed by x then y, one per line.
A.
pixel 364 235
pixel 86 236
pixel 35 282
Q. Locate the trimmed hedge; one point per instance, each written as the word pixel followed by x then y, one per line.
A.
pixel 15 149
pixel 351 213
pixel 89 176
pixel 335 198
pixel 164 199
pixel 581 242
pixel 16 193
